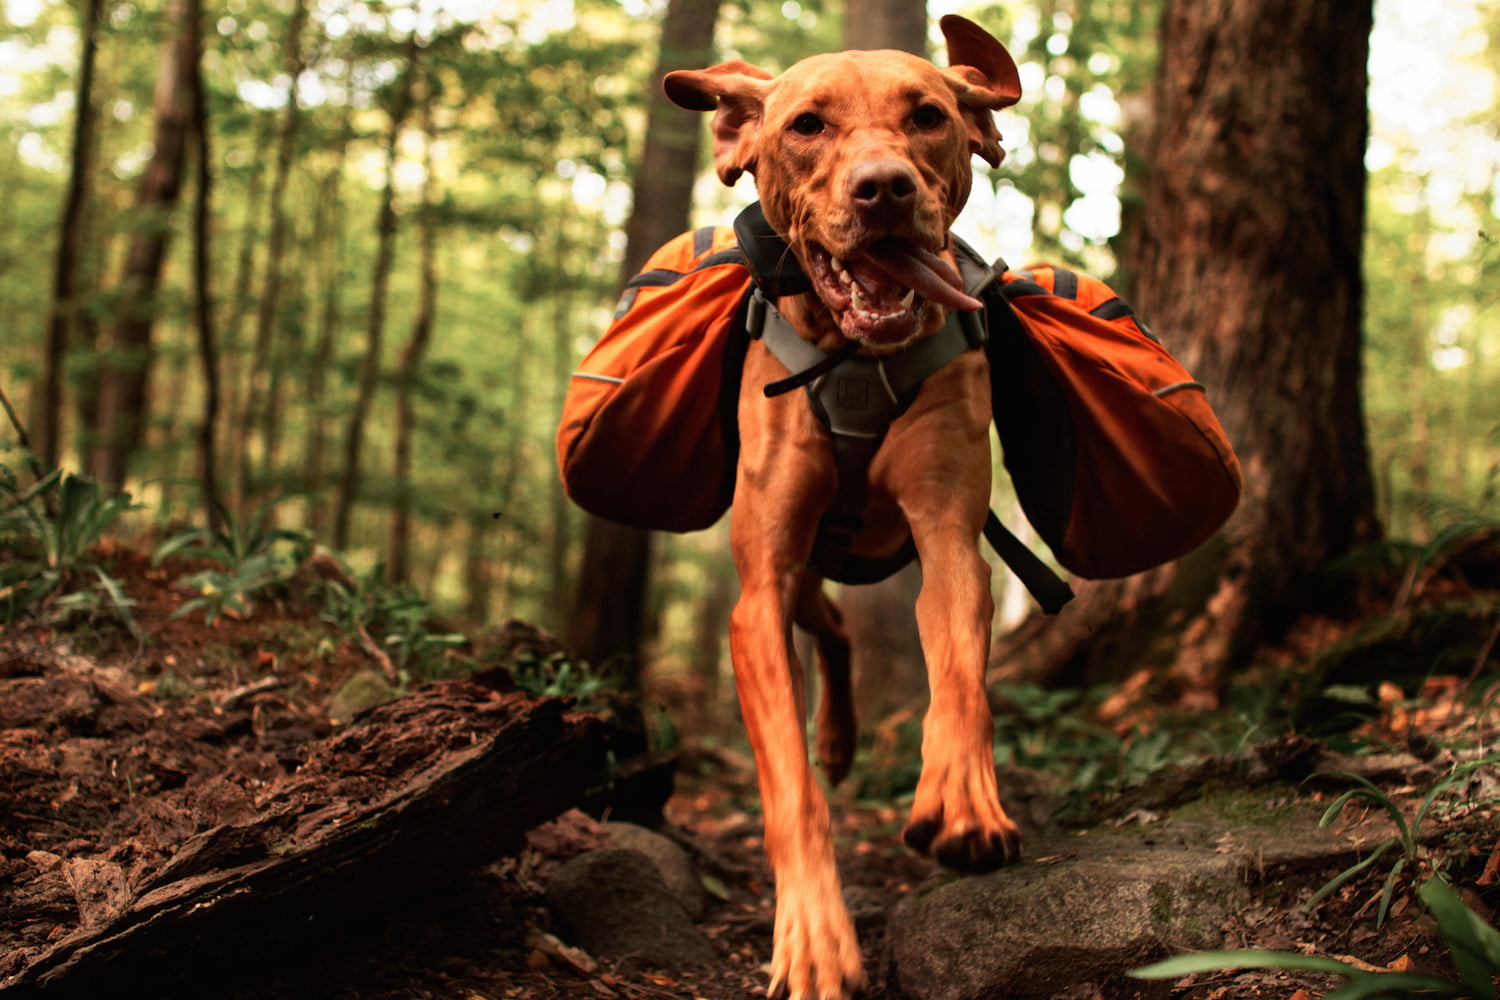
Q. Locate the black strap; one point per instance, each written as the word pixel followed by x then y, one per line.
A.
pixel 1049 589
pixel 798 379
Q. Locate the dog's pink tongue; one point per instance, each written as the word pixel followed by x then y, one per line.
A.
pixel 929 275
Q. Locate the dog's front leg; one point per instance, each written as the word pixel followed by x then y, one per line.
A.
pixel 940 474
pixel 785 481
pixel 815 951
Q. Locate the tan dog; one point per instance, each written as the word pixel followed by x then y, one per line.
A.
pixel 862 162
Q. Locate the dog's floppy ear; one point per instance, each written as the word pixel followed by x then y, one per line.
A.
pixel 984 76
pixel 736 93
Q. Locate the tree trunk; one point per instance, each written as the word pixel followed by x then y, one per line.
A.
pixel 203 307
pixel 124 389
pixel 1247 263
pixel 886 24
pixel 328 236
pixel 369 370
pixel 608 603
pixel 49 423
pixel 258 385
pixel 399 566
pixel 234 439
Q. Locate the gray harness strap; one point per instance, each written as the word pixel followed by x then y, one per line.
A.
pixel 857 399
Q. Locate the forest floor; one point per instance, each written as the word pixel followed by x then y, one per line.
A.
pixel 97 731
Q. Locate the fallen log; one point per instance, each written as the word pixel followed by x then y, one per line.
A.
pixel 410 797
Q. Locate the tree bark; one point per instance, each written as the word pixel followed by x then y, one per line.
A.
pixel 412 796
pixel 607 617
pixel 48 426
pixel 124 389
pixel 369 371
pixel 1246 262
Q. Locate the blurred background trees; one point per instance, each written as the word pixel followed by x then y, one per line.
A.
pixel 420 213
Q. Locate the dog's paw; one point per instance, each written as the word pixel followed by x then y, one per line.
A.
pixel 965 845
pixel 816 955
pixel 957 818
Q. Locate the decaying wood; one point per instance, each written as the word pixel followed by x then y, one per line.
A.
pixel 411 796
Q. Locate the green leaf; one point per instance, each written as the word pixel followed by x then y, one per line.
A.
pixel 1395 985
pixel 1475 944
pixel 1250 958
pixel 120 601
pixel 1349 873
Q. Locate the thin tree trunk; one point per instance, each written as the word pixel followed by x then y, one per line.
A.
pixel 236 438
pixel 208 348
pixel 886 24
pixel 49 423
pixel 258 385
pixel 399 563
pixel 124 391
pixel 369 371
pixel 608 602
pixel 328 237
pixel 1247 263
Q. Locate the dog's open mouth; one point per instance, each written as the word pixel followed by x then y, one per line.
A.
pixel 880 295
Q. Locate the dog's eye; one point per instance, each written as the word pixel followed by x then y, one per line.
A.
pixel 928 117
pixel 807 123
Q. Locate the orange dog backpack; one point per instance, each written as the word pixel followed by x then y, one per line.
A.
pixel 1117 459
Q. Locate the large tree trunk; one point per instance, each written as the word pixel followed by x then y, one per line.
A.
pixel 607 617
pixel 124 389
pixel 1246 262
pixel 889 670
pixel 48 425
pixel 369 370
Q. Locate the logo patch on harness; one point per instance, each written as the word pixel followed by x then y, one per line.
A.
pixel 853 394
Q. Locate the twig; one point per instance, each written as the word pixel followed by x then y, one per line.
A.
pixel 1484 654
pixel 37 468
pixel 377 654
pixel 239 694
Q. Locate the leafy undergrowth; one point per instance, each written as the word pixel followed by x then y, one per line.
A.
pixel 97 716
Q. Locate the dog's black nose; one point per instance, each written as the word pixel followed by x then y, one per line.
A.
pixel 882 185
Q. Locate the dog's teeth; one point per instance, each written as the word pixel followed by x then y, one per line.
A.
pixel 842 273
pixel 906 300
pixel 858 301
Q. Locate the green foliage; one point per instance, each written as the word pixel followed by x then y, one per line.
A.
pixel 1052 731
pixel 1042 730
pixel 1416 862
pixel 51 530
pixel 559 676
pixel 398 620
pixel 1473 944
pixel 248 559
pixel 1362 985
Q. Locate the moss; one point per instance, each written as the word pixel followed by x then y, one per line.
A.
pixel 1243 807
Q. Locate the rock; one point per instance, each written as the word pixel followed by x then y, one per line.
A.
pixel 365 690
pixel 614 904
pixel 1081 919
pixel 671 861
